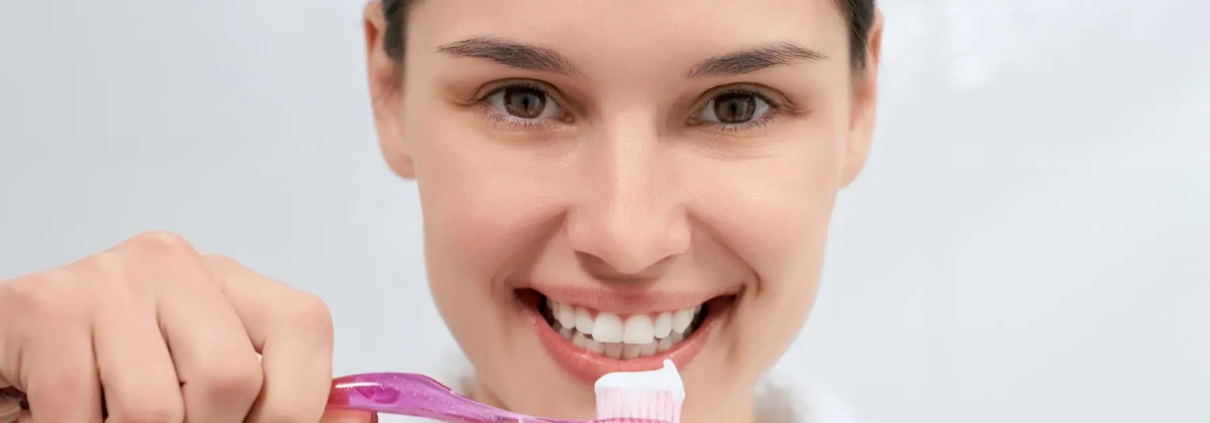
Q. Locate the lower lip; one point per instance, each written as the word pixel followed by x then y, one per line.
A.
pixel 589 367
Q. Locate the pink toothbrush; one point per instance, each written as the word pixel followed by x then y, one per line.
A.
pixel 420 396
pixel 417 395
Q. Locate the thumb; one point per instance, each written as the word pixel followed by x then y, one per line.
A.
pixel 349 416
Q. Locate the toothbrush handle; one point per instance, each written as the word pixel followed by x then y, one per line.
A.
pixel 414 395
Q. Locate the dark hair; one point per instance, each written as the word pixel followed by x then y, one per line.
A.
pixel 858 13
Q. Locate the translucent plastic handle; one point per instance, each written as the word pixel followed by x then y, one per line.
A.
pixel 420 396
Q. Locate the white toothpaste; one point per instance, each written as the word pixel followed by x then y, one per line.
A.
pixel 666 379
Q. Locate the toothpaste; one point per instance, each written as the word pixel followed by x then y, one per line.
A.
pixel 666 379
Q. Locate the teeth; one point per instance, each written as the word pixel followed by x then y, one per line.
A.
pixel 648 350
pixel 566 315
pixel 594 346
pixel 682 318
pixel 608 328
pixel 583 321
pixel 638 330
pixel 663 325
pixel 613 350
pixel 631 351
pixel 610 335
pixel 664 345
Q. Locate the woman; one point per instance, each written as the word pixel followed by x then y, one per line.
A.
pixel 604 185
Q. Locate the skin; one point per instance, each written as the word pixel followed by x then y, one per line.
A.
pixel 632 189
pixel 169 335
pixel 627 188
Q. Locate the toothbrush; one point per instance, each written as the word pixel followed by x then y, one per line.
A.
pixel 417 395
pixel 656 395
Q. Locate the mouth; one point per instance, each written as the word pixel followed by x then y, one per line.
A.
pixel 589 342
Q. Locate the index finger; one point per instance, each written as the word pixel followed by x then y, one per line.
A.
pixel 57 373
pixel 292 331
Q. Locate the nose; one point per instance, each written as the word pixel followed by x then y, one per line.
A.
pixel 629 220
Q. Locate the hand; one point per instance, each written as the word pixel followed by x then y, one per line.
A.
pixel 164 334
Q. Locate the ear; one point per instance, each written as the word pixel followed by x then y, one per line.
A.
pixel 386 93
pixel 865 100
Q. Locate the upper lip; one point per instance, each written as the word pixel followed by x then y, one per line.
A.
pixel 629 301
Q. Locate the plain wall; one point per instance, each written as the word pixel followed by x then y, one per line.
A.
pixel 1029 242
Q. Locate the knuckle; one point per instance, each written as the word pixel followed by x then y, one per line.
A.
pixel 107 266
pixel 147 409
pixel 160 241
pixel 312 314
pixel 233 381
pixel 48 298
pixel 221 262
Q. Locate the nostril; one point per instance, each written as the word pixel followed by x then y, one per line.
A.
pixel 641 270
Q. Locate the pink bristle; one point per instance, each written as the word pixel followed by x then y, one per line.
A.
pixel 620 405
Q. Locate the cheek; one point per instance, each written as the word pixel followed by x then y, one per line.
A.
pixel 774 212
pixel 483 201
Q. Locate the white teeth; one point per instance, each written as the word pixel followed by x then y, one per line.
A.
pixel 608 328
pixel 648 350
pixel 663 325
pixel 583 321
pixel 594 346
pixel 566 315
pixel 638 330
pixel 631 351
pixel 607 334
pixel 681 319
pixel 613 350
pixel 664 344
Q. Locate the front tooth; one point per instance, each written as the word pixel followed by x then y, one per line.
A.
pixel 613 350
pixel 632 351
pixel 566 315
pixel 649 349
pixel 608 328
pixel 638 330
pixel 663 324
pixel 682 319
pixel 595 346
pixel 676 337
pixel 583 321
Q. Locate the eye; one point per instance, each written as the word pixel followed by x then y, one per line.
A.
pixel 734 108
pixel 525 103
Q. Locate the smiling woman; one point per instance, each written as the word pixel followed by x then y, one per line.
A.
pixel 606 185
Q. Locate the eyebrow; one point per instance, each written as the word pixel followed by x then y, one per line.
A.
pixel 541 59
pixel 755 59
pixel 511 54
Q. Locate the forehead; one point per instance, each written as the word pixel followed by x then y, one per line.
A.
pixel 634 30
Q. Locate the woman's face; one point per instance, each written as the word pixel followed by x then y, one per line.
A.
pixel 606 184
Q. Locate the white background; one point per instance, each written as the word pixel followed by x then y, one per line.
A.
pixel 1029 243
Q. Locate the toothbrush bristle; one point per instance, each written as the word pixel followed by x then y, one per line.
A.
pixel 619 405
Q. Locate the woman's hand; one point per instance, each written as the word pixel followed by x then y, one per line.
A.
pixel 164 334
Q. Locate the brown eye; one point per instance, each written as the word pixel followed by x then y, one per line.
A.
pixel 524 103
pixel 734 108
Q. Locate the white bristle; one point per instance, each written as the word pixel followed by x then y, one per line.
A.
pixel 654 396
